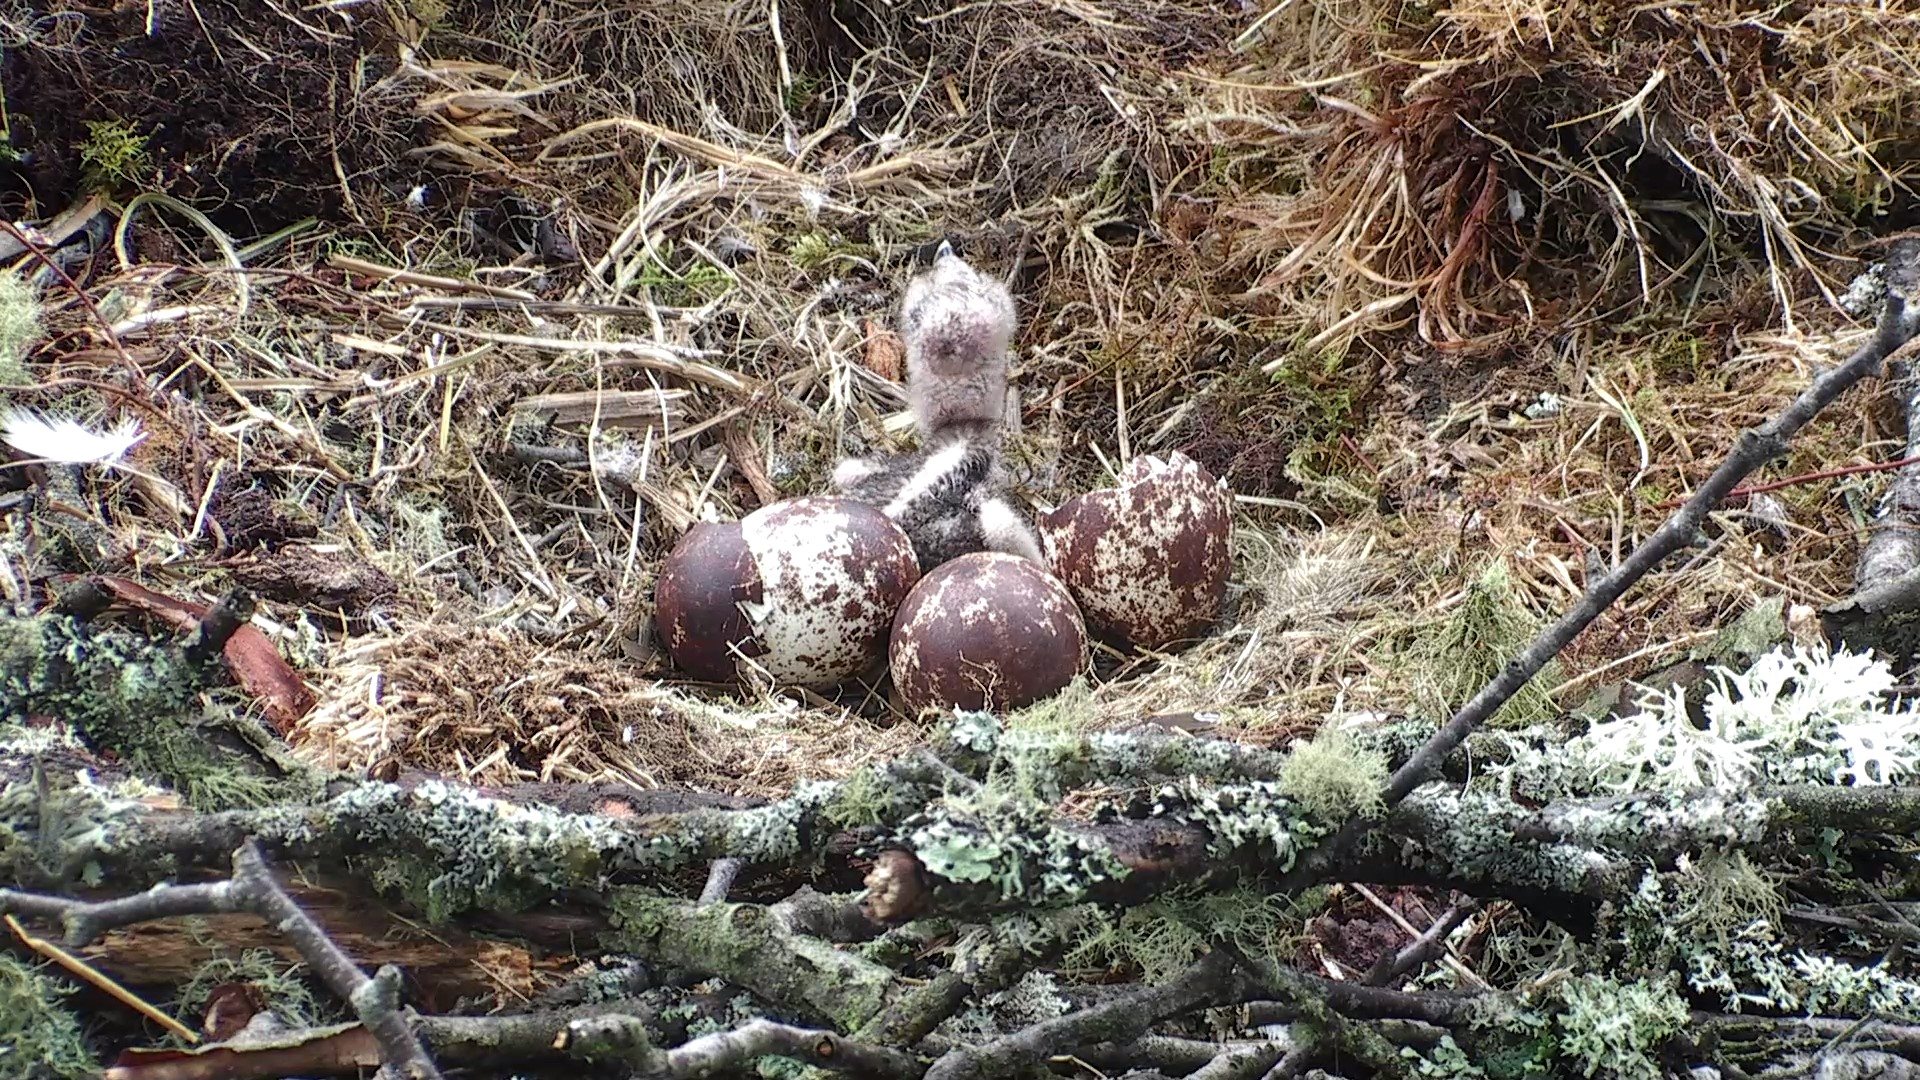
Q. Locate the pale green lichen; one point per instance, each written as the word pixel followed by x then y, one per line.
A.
pixel 39 1038
pixel 1616 1028
pixel 976 733
pixel 1252 820
pixel 1672 821
pixel 20 327
pixel 751 947
pixel 772 833
pixel 1442 1061
pixel 1165 935
pixel 1470 836
pixel 451 850
pixel 1747 965
pixel 1034 999
pixel 1015 847
pixel 1334 778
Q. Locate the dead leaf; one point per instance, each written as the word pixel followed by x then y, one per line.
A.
pixel 229 1007
pixel 340 1048
pixel 885 355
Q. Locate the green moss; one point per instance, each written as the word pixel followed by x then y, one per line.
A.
pixel 1333 777
pixel 96 679
pixel 114 155
pixel 39 1038
pixel 697 282
pixel 1452 657
pixel 20 327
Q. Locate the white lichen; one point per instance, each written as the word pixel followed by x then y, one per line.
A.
pixel 1798 715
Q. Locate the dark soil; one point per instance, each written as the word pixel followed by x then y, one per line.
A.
pixel 252 117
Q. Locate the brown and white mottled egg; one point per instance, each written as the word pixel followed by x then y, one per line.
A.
pixel 1146 560
pixel 696 600
pixel 986 631
pixel 805 589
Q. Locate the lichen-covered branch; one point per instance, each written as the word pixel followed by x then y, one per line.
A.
pixel 716 1054
pixel 1206 983
pixel 755 947
pixel 1756 447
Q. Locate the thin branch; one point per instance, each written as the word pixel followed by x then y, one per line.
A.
pixel 252 889
pixel 220 623
pixel 1208 982
pixel 720 879
pixel 1755 448
pixel 713 1054
pixel 376 1001
pixel 1807 478
pixel 1393 965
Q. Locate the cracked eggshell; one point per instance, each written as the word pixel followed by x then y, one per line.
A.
pixel 832 572
pixel 805 589
pixel 986 631
pixel 1146 560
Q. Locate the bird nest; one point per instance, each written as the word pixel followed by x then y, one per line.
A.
pixel 1457 300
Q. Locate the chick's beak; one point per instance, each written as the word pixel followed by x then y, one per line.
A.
pixel 945 251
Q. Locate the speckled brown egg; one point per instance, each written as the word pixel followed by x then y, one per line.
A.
pixel 805 589
pixel 986 631
pixel 1147 561
pixel 696 600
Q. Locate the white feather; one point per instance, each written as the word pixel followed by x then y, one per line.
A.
pixel 69 441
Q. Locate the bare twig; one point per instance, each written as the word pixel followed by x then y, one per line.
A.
pixel 253 889
pixel 714 1054
pixel 1755 448
pixel 1209 981
pixel 220 623
pixel 1807 478
pixel 720 879
pixel 1393 965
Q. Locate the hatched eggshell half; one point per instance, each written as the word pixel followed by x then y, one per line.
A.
pixel 832 573
pixel 986 631
pixel 1147 560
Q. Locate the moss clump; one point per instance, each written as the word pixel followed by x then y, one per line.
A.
pixel 39 1039
pixel 113 156
pixel 19 327
pixel 1454 656
pixel 96 679
pixel 1160 938
pixel 1334 777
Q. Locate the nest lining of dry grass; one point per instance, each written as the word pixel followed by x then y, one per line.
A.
pixel 743 243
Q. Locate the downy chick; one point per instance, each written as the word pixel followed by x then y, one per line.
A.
pixel 947 499
pixel 948 496
pixel 957 325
